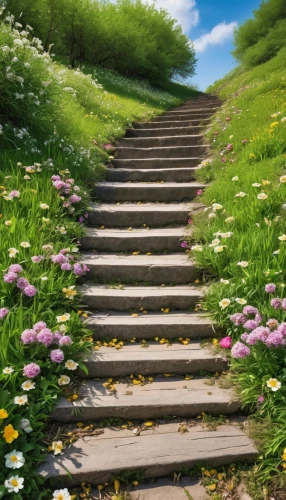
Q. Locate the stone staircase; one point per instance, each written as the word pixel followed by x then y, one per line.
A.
pixel 145 205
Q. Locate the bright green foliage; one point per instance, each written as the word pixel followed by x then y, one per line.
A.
pixel 246 214
pixel 129 36
pixel 259 39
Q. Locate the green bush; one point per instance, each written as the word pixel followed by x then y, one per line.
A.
pixel 129 36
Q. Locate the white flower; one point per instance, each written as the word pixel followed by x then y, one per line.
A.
pixel 57 447
pixel 218 249
pixel 282 238
pixel 71 365
pixel 12 252
pixel 256 185
pixel 230 219
pixel 27 177
pixel 216 206
pixel 63 328
pixel 25 425
pixel 226 235
pixel 241 301
pixel 283 178
pixel 224 303
pixel 28 385
pixel 243 263
pixel 14 460
pixel 64 380
pixel 197 248
pixel 14 484
pixel 212 215
pixel 277 252
pixel 25 244
pixel 262 196
pixel 225 282
pixel 61 494
pixel 44 278
pixel 8 370
pixel 273 384
pixel 46 219
pixel 8 223
pixel 214 243
pixel 44 206
pixel 241 194
pixel 21 400
pixel 235 178
pixel 61 229
pixel 63 318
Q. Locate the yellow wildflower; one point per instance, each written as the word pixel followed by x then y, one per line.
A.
pixel 3 413
pixel 10 433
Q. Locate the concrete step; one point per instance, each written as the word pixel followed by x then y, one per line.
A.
pixel 140 191
pixel 164 152
pixel 164 396
pixel 151 175
pixel 172 268
pixel 164 132
pixel 157 163
pixel 143 240
pixel 151 214
pixel 148 326
pixel 161 142
pixel 154 360
pixel 191 112
pixel 159 452
pixel 151 298
pixel 173 122
pixel 180 116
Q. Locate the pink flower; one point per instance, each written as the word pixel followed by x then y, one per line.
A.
pixel 80 269
pixel 75 198
pixel 199 192
pixel 57 337
pixel 10 277
pixel 65 340
pixel 249 310
pixel 284 304
pixel 56 177
pixel 229 147
pixel 22 283
pixel 15 268
pixel 238 319
pixel 244 141
pixel 39 326
pixel 216 133
pixel 28 336
pixel 31 370
pixel 260 399
pixel 226 342
pixel 227 119
pixel 57 356
pixel 66 266
pixel 37 258
pixel 59 258
pixel 270 288
pixel 58 184
pixel 3 312
pixel 45 337
pixel 81 219
pixel 30 291
pixel 224 159
pixel 250 324
pixel 14 194
pixel 190 221
pixel 275 339
pixel 184 244
pixel 276 303
pixel 240 350
pixel 108 146
pixel 282 329
pixel 272 324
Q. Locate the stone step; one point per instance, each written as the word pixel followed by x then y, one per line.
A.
pixel 154 360
pixel 203 105
pixel 148 326
pixel 151 298
pixel 157 163
pixel 151 175
pixel 140 191
pixel 164 152
pixel 151 214
pixel 164 132
pixel 180 116
pixel 159 452
pixel 172 268
pixel 173 122
pixel 164 396
pixel 143 240
pixel 192 111
pixel 161 142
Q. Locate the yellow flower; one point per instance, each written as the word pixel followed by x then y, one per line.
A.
pixel 57 447
pixel 69 292
pixel 265 183
pixel 251 155
pixel 282 238
pixel 274 124
pixel 273 384
pixel 10 433
pixel 283 178
pixel 224 303
pixel 3 413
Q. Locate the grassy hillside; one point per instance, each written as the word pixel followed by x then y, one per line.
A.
pixel 54 123
pixel 241 238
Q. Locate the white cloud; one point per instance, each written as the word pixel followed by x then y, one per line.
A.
pixel 184 11
pixel 217 36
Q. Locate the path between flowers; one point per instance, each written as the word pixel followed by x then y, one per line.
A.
pixel 142 292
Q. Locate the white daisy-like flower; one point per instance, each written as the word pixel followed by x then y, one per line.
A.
pixel 14 484
pixel 256 185
pixel 21 400
pixel 12 252
pixel 282 238
pixel 219 249
pixel 63 318
pixel 241 194
pixel 57 447
pixel 225 282
pixel 14 460
pixel 61 494
pixel 25 244
pixel 28 385
pixel 242 302
pixel 235 178
pixel 224 303
pixel 230 219
pixel 64 380
pixel 262 196
pixel 71 365
pixel 273 384
pixel 243 263
pixel 197 248
pixel 8 369
pixel 44 206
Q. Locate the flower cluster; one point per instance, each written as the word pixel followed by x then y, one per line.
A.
pixel 67 189
pixel 12 276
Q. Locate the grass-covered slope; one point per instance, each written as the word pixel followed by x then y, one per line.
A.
pixel 53 125
pixel 242 238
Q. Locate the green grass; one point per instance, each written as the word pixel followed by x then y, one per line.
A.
pixel 248 137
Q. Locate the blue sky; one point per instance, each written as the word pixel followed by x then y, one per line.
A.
pixel 210 24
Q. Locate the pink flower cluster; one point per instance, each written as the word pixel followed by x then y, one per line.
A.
pixel 31 370
pixel 42 335
pixel 3 312
pixel 65 260
pixel 22 283
pixel 272 335
pixel 68 190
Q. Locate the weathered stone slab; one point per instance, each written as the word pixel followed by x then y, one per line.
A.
pixel 161 152
pixel 151 175
pixel 155 163
pixel 161 142
pixel 173 122
pixel 164 132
